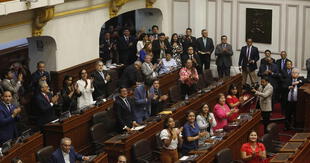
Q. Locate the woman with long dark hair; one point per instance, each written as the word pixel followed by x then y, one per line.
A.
pixel 177 48
pixel 69 93
pixel 206 121
pixel 170 136
pixel 253 151
pixel 86 87
pixel 234 101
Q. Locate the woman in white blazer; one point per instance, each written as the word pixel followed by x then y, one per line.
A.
pixel 206 121
pixel 86 88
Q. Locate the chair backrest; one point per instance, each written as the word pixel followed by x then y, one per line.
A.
pixel 273 130
pixel 208 77
pixel 201 83
pixel 224 156
pixel 267 141
pixel 141 148
pixel 99 117
pixel 97 132
pixel 110 121
pixel 175 93
pixel 44 154
pixel 159 142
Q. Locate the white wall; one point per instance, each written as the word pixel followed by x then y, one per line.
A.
pixel 146 18
pixel 291 21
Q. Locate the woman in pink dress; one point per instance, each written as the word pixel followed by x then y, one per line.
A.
pixel 233 101
pixel 222 112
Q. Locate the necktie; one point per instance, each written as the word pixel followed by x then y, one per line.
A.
pixel 46 97
pixel 289 72
pixel 282 64
pixel 9 107
pixel 127 104
pixel 248 53
pixel 126 38
pixel 101 73
pixel 292 93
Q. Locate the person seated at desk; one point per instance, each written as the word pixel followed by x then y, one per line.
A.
pixel 43 104
pixel 222 112
pixel 142 109
pixel 131 75
pixel 9 115
pixel 206 121
pixel 171 138
pixel 149 69
pixel 157 99
pixel 167 64
pixel 189 78
pixel 101 81
pixel 86 87
pixel 233 101
pixel 66 153
pixel 69 94
pixel 124 110
pixel 253 152
pixel 191 133
pixel 37 75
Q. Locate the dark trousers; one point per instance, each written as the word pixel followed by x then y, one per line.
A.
pixel 223 71
pixel 290 111
pixel 187 90
pixel 266 118
pixel 205 60
pixel 123 58
pixel 283 99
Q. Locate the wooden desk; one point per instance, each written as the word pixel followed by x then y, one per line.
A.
pixel 303 108
pixel 25 151
pixel 168 80
pixel 234 141
pixel 291 147
pixel 102 158
pixel 300 137
pixel 303 155
pixel 281 157
pixel 115 146
pixel 76 127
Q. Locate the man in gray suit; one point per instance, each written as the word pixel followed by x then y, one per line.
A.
pixel 9 84
pixel 264 93
pixel 223 53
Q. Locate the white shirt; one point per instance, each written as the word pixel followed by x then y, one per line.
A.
pixel 86 98
pixel 293 92
pixel 164 135
pixel 140 45
pixel 167 65
pixel 204 124
pixel 66 157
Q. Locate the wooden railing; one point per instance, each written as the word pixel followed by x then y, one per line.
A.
pixel 5 0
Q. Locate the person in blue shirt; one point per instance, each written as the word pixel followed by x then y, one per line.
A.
pixel 191 133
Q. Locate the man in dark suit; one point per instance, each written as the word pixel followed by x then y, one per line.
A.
pixel 270 70
pixel 131 75
pixel 66 153
pixel 282 62
pixel 157 98
pixel 205 48
pixel 267 53
pixel 43 104
pixel 142 102
pixel 155 32
pixel 285 77
pixel 188 39
pixel 249 55
pixel 106 45
pixel 126 48
pixel 223 51
pixel 124 110
pixel 294 84
pixel 190 54
pixel 9 114
pixel 37 75
pixel 101 81
pixel 159 47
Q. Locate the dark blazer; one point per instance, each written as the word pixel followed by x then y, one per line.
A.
pixel 141 104
pixel 124 115
pixel 264 62
pixel 279 62
pixel 223 58
pixel 35 77
pixel 7 123
pixel 44 111
pixel 243 61
pixel 67 102
pixel 57 156
pixel 285 78
pixel 186 42
pixel 201 47
pixel 301 80
pixel 100 85
pixel 130 76
pixel 105 49
pixel 156 48
pixel 185 57
pixel 127 53
pixel 156 106
pixel 274 77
